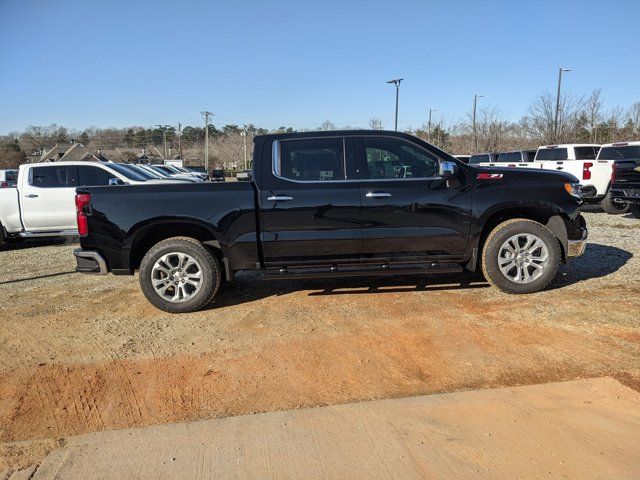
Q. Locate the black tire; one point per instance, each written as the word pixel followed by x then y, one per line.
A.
pixel 611 207
pixel 634 208
pixel 503 232
pixel 206 261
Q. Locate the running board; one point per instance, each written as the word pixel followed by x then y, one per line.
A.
pixel 52 233
pixel 338 271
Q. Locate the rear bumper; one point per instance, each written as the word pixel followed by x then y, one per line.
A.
pixel 90 261
pixel 575 248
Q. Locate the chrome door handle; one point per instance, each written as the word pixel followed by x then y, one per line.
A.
pixel 378 195
pixel 279 198
pixel 31 195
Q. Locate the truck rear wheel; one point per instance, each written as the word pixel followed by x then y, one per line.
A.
pixel 613 208
pixel 635 210
pixel 180 275
pixel 520 256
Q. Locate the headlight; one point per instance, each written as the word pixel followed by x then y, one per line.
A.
pixel 574 189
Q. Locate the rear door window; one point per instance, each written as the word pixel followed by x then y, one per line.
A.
pixel 552 154
pixel 310 160
pixel 50 177
pixel 586 153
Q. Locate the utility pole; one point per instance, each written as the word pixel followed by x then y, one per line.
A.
pixel 429 131
pixel 475 133
pixel 555 122
pixel 206 139
pixel 164 138
pixel 244 145
pixel 180 138
pixel 396 82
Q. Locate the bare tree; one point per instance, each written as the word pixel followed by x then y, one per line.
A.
pixel 375 123
pixel 327 125
pixel 593 108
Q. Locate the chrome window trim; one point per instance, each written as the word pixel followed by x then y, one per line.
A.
pixel 275 162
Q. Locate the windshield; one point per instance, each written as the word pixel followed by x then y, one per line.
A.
pixel 161 168
pixel 172 169
pixel 11 175
pixel 552 154
pixel 140 171
pixel 126 172
pixel 619 153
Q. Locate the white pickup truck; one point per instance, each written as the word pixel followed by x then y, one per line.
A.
pixel 582 161
pixel 42 204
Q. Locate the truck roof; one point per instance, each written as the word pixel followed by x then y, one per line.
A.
pixel 565 145
pixel 64 163
pixel 622 144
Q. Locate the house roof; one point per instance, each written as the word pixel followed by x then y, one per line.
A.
pixel 71 152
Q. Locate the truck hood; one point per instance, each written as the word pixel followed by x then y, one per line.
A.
pixel 530 174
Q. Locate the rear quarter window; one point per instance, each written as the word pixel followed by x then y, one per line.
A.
pixel 475 159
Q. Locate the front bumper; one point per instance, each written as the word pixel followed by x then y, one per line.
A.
pixel 575 248
pixel 90 261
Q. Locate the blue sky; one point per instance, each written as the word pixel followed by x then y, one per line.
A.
pixel 296 63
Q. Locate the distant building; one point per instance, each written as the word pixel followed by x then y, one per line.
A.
pixel 70 152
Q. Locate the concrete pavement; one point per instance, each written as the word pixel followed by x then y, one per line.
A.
pixel 578 429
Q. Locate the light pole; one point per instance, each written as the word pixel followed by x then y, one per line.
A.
pixel 429 130
pixel 555 122
pixel 396 82
pixel 206 114
pixel 475 133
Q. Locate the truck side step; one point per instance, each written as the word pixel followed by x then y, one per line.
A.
pixel 350 271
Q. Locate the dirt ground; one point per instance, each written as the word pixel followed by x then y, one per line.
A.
pixel 83 353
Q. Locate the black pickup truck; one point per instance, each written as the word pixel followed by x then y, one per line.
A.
pixel 625 184
pixel 329 204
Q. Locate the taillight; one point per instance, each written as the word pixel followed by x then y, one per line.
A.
pixel 586 173
pixel 613 173
pixel 82 200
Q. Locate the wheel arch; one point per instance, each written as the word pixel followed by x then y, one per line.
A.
pixel 546 216
pixel 146 236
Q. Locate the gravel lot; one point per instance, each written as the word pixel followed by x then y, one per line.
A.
pixel 82 353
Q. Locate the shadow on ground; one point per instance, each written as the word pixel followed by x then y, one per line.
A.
pixel 597 261
pixel 23 244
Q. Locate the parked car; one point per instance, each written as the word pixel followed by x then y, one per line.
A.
pixel 175 173
pixel 43 205
pixel 625 179
pixel 244 176
pixel 330 204
pixel 8 178
pixel 217 175
pixel 463 158
pixel 182 170
pixel 479 158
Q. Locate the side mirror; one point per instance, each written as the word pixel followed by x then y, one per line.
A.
pixel 447 170
pixel 115 181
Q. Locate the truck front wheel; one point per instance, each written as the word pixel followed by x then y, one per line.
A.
pixel 180 275
pixel 520 256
